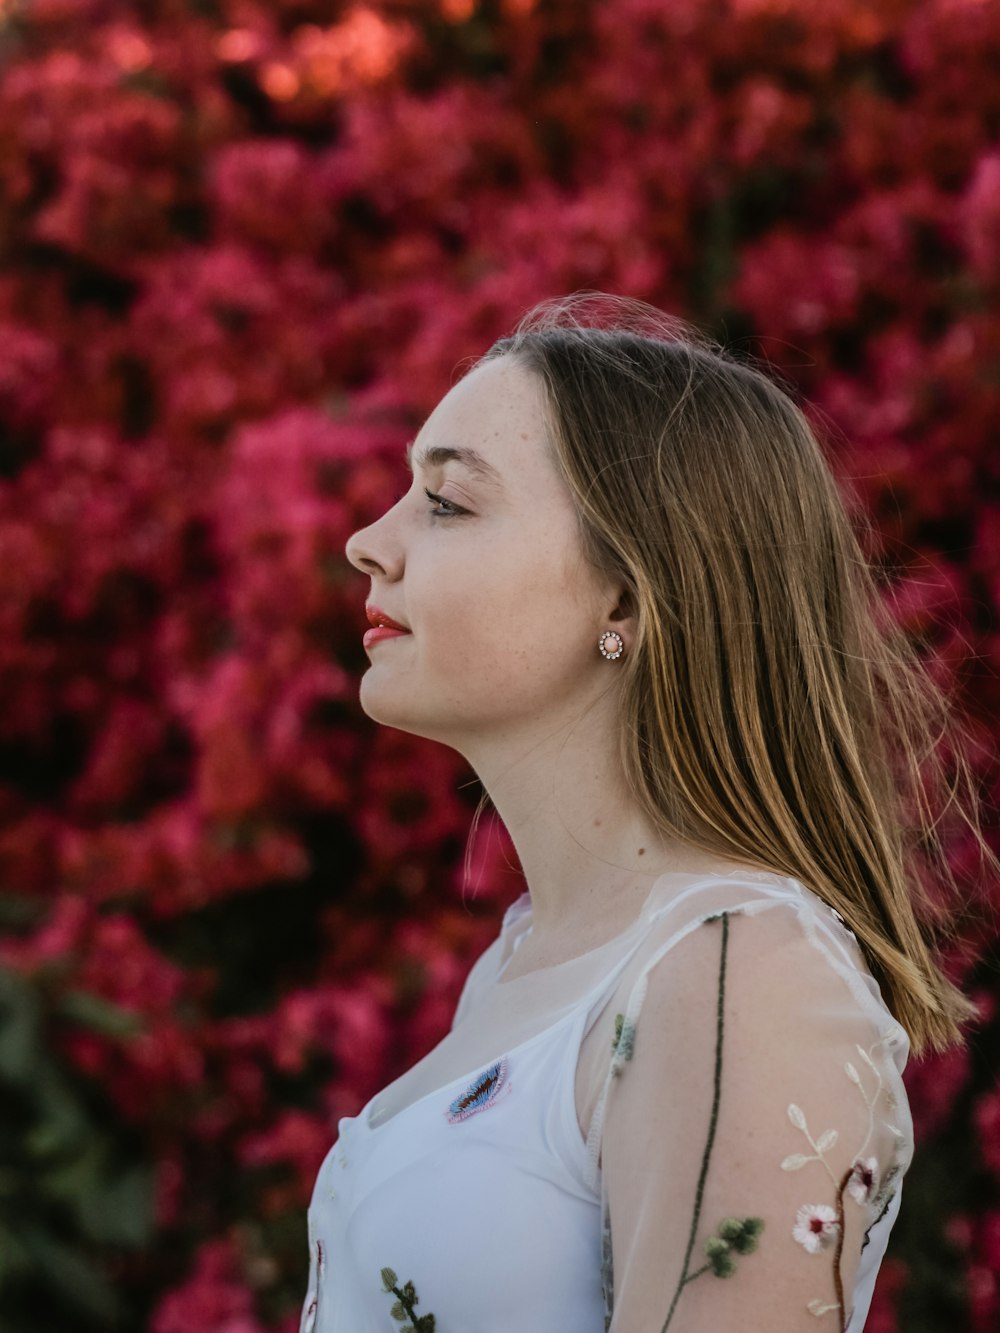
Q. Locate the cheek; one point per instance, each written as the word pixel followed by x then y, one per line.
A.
pixel 507 598
pixel 511 639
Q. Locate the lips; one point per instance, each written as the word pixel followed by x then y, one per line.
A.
pixel 377 618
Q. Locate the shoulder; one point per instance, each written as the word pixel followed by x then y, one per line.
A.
pixel 770 935
pixel 478 979
pixel 776 988
pixel 781 1086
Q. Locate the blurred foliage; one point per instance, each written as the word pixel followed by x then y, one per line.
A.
pixel 72 1199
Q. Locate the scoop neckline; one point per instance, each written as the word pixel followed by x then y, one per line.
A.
pixel 694 877
pixel 362 1116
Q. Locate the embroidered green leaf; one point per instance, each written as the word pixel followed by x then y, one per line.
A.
pixel 735 1235
pixel 851 1072
pixel 796 1116
pixel 742 1233
pixel 403 1307
pixel 719 1258
pixel 826 1140
pixel 623 1044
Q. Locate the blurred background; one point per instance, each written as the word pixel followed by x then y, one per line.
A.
pixel 243 248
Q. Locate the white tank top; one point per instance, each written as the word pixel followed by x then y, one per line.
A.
pixel 479 1205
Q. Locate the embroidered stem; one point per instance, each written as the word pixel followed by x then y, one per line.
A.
pixel 838 1281
pixel 713 1121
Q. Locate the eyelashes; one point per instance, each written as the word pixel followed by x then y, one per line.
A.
pixel 445 508
pixel 452 510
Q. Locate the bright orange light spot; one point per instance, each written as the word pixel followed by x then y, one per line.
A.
pixel 237 44
pixel 280 82
pixel 363 48
pixel 457 11
pixel 129 50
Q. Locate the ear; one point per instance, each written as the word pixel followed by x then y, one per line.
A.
pixel 621 616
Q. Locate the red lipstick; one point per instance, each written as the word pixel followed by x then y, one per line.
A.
pixel 383 626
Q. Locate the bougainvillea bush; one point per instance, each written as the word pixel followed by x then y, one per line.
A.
pixel 244 247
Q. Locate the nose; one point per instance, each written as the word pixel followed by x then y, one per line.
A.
pixel 370 550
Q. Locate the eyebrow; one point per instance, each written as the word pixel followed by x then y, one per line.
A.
pixel 436 454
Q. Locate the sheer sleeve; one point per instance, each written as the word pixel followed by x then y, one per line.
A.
pixel 754 1129
pixel 478 976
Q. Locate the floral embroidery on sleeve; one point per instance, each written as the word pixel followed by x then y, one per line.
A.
pixel 818 1226
pixel 734 1235
pixel 407 1298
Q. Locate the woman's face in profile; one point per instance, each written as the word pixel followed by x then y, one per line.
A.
pixel 489 578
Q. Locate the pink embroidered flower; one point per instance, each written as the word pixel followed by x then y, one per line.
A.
pixel 816 1227
pixel 863 1181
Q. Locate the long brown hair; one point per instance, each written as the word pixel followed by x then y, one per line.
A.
pixel 771 710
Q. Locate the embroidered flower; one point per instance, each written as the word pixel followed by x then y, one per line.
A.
pixel 864 1179
pixel 816 1227
pixel 483 1091
pixel 819 1226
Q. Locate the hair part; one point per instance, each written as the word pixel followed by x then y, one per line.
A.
pixel 771 710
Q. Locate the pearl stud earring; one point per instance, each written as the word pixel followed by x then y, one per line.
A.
pixel 611 644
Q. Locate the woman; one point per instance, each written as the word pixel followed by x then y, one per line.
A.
pixel 624 586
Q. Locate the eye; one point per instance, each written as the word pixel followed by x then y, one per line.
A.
pixel 453 510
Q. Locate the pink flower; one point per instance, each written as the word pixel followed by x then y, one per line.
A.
pixel 215 1295
pixel 864 1179
pixel 979 213
pixel 816 1227
pixel 986 1117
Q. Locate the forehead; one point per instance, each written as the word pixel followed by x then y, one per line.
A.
pixel 492 421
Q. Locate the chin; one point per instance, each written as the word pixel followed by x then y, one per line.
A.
pixel 385 707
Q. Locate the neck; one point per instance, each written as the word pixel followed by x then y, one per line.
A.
pixel 588 854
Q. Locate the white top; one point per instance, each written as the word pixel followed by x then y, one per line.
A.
pixel 701 1124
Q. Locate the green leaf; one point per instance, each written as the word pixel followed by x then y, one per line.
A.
pixel 100 1015
pixel 120 1211
pixel 75 1176
pixel 75 1279
pixel 14 1259
pixel 19 909
pixel 20 1028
